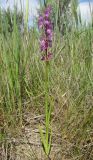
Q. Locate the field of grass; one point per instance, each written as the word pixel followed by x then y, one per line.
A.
pixel 22 94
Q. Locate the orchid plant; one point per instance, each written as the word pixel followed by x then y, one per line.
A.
pixel 46 28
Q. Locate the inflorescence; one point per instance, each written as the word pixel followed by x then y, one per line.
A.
pixel 45 24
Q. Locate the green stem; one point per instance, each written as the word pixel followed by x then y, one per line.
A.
pixel 46 140
pixel 47 109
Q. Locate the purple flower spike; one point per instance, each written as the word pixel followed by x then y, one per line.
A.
pixel 44 23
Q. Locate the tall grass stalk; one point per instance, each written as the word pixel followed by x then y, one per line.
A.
pixel 27 14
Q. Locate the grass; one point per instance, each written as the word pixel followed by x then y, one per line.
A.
pixel 71 86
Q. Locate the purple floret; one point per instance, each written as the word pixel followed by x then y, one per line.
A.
pixel 48 11
pixel 40 21
pixel 47 58
pixel 43 44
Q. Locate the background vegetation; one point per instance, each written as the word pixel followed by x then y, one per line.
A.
pixel 71 80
